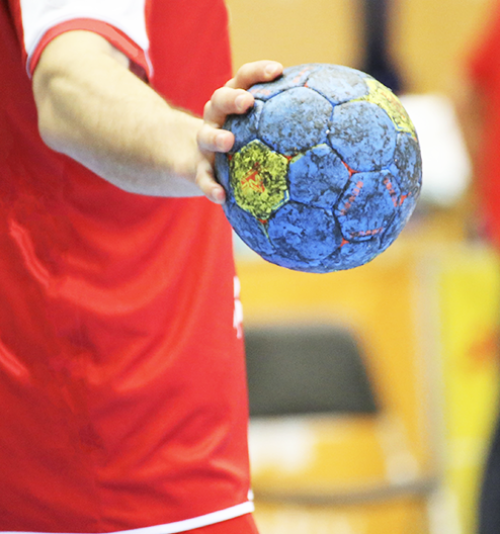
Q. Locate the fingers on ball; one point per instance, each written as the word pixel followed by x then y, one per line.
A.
pixel 212 139
pixel 206 182
pixel 258 71
pixel 226 101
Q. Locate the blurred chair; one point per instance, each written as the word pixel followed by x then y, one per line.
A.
pixel 306 369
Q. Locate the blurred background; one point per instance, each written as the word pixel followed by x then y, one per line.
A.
pixel 374 391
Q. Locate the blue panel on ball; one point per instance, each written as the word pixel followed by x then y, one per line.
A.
pixel 351 255
pixel 397 224
pixel 317 177
pixel 408 164
pixel 303 233
pixel 368 205
pixel 292 77
pixel 244 126
pixel 294 121
pixel 248 228
pixel 222 170
pixel 338 84
pixel 363 134
pixel 407 204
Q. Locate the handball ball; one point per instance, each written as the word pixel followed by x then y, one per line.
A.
pixel 325 170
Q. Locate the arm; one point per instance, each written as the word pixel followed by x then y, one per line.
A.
pixel 93 109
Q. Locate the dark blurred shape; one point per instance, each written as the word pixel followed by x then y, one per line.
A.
pixel 377 59
pixel 296 370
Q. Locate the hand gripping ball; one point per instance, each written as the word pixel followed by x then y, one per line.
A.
pixel 325 170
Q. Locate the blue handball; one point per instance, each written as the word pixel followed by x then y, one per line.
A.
pixel 325 170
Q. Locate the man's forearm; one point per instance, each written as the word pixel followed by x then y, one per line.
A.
pixel 93 109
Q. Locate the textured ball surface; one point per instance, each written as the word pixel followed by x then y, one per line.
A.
pixel 325 170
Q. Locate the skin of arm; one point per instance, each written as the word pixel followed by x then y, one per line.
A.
pixel 92 108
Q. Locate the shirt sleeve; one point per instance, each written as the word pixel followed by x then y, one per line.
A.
pixel 121 22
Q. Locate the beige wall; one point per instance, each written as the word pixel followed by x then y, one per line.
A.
pixel 294 31
pixel 429 37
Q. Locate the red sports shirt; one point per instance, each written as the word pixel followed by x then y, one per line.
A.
pixel 122 380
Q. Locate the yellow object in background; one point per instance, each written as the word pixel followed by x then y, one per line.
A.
pixel 468 293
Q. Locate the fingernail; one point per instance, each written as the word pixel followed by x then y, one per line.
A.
pixel 271 70
pixel 220 141
pixel 241 102
pixel 218 195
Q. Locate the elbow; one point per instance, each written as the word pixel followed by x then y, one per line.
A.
pixel 49 135
pixel 51 128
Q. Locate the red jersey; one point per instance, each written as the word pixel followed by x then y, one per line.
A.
pixel 122 378
pixel 484 70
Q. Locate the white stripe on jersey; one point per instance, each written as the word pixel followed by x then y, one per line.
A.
pixel 182 526
pixel 38 16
